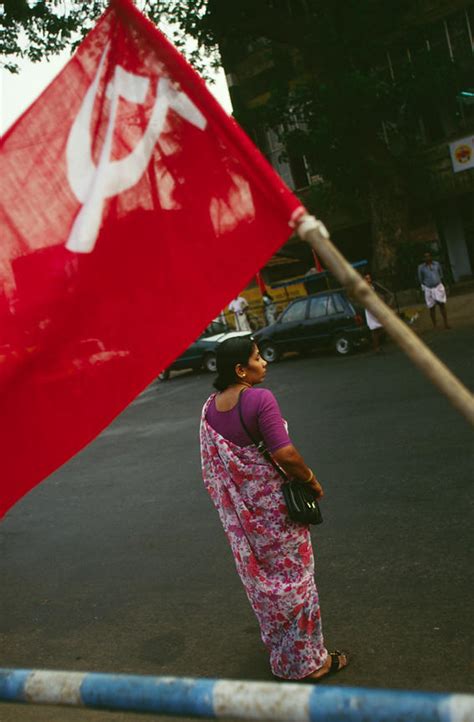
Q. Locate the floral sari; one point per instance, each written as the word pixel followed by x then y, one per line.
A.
pixel 273 554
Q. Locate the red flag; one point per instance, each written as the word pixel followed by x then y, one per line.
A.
pixel 128 196
pixel 261 283
pixel 317 262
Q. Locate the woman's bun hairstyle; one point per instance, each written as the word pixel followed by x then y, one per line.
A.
pixel 232 351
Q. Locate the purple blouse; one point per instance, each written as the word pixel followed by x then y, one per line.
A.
pixel 261 414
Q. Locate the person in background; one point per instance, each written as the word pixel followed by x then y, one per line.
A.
pixel 218 325
pixel 430 276
pixel 376 328
pixel 239 308
pixel 269 309
pixel 272 553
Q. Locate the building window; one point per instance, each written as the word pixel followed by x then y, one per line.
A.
pixel 437 40
pixel 399 62
pixel 276 153
pixel 470 24
pixel 458 31
pixel 299 170
pixel 296 312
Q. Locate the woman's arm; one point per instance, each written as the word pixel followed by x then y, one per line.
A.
pixel 291 461
pixel 275 437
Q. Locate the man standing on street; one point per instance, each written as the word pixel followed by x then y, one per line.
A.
pixel 239 308
pixel 430 276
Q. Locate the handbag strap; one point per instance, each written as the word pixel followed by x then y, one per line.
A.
pixel 260 444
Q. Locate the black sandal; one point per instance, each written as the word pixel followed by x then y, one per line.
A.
pixel 335 667
pixel 336 662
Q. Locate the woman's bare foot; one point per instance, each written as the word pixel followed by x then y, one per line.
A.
pixel 335 662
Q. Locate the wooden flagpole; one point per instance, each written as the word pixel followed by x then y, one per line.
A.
pixel 316 234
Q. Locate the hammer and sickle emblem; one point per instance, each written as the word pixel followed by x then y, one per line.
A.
pixel 93 184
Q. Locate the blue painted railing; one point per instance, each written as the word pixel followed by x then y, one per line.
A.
pixel 210 698
pixel 312 276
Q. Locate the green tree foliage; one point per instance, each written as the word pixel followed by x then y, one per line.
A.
pixel 336 97
pixel 37 29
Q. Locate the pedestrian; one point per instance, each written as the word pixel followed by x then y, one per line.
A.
pixel 430 276
pixel 376 328
pixel 269 309
pixel 272 553
pixel 239 308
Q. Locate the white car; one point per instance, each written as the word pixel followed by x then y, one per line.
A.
pixel 202 353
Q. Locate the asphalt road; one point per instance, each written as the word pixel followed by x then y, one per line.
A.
pixel 118 562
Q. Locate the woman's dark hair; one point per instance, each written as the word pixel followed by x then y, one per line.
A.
pixel 229 353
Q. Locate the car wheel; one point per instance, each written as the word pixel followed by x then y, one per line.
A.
pixel 269 352
pixel 343 345
pixel 164 375
pixel 209 362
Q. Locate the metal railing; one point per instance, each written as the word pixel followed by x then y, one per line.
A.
pixel 211 698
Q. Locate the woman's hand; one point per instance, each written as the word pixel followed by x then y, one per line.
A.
pixel 314 484
pixel 293 463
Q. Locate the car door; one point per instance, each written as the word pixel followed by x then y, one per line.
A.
pixel 340 313
pixel 316 328
pixel 192 357
pixel 289 328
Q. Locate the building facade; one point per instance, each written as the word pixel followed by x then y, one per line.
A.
pixel 442 217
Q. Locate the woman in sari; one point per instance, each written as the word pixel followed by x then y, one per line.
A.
pixel 272 553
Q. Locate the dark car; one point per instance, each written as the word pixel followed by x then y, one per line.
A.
pixel 321 320
pixel 202 353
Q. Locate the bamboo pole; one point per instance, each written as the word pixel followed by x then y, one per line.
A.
pixel 316 234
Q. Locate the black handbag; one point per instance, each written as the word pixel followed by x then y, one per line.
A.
pixel 300 498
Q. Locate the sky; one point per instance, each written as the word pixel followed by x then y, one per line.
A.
pixel 18 92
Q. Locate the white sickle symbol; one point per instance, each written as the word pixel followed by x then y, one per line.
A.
pixel 92 184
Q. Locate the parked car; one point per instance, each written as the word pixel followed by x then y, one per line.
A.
pixel 326 319
pixel 202 353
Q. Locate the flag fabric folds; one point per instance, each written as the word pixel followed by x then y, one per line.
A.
pixel 132 210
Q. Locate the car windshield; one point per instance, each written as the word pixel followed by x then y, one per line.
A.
pixel 295 312
pixel 213 329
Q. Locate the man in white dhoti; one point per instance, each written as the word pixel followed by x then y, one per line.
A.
pixel 239 308
pixel 430 276
pixel 376 328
